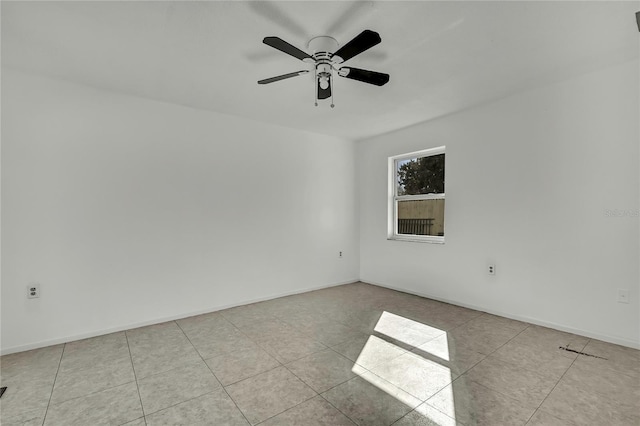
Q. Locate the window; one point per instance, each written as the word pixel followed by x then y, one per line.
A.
pixel 416 196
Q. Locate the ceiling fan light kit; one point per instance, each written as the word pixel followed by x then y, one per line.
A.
pixel 326 58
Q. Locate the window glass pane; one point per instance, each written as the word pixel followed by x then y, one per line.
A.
pixel 424 175
pixel 421 217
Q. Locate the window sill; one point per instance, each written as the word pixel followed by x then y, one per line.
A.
pixel 416 239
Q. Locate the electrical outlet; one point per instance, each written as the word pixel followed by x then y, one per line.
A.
pixel 33 290
pixel 623 295
pixel 491 269
pixel 340 255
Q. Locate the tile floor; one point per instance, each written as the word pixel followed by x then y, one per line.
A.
pixel 350 354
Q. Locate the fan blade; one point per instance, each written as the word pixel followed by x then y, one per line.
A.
pixel 282 77
pixel 283 46
pixel 366 76
pixel 363 41
pixel 324 93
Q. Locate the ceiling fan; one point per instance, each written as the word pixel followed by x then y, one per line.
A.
pixel 326 58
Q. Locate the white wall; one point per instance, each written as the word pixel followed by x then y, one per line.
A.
pixel 528 181
pixel 130 211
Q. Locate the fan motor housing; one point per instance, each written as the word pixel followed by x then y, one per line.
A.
pixel 322 45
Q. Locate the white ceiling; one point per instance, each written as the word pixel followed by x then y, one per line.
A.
pixel 442 56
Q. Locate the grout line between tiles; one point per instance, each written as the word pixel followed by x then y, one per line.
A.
pixel 500 392
pixel 93 393
pixel 554 386
pixel 433 408
pixel 281 365
pixel 135 376
pixel 264 348
pixel 254 341
pixel 360 377
pixel 214 374
pixel 474 365
pixel 249 377
pixel 131 421
pixel 290 408
pixel 53 386
pixel 339 410
pixel 285 367
pixel 177 403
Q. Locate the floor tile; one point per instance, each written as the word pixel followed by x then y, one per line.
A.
pixel 156 333
pixel 455 313
pixel 568 402
pixel 526 386
pixel 548 362
pixel 213 335
pixel 370 400
pixel 543 338
pixel 88 353
pixel 233 367
pixel 287 349
pixel 25 418
pixel 174 386
pixel 486 333
pixel 206 323
pixel 24 395
pixel 73 383
pixel 218 343
pixel 604 381
pixel 299 316
pixel 247 314
pixel 117 405
pixel 622 359
pixel 541 418
pixel 415 375
pixel 323 370
pixel 456 358
pixel 136 422
pixel 314 412
pixel 426 415
pixel 271 329
pixel 329 333
pixel 405 330
pixel 364 320
pixel 370 351
pixel 159 361
pixel 268 394
pixel 473 404
pixel 31 364
pixel 156 349
pixel 214 408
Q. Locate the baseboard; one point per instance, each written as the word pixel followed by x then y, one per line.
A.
pixel 536 321
pixel 129 326
pixel 605 338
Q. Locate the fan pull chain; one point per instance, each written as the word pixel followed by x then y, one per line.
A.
pixel 317 85
pixel 333 89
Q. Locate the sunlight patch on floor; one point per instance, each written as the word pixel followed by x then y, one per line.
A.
pixel 439 347
pixel 380 355
pixel 391 389
pixel 406 330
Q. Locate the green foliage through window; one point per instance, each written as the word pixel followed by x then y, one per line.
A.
pixel 424 175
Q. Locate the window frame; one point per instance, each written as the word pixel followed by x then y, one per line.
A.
pixel 393 197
